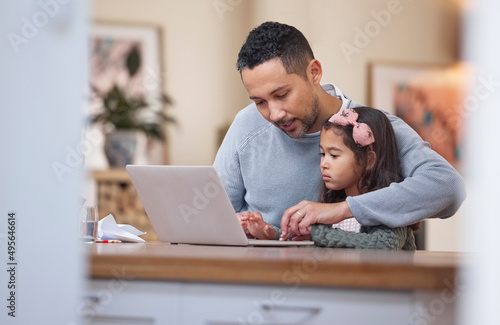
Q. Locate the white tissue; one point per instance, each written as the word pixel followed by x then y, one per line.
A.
pixel 107 228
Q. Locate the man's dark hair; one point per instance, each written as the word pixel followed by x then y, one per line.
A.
pixel 273 40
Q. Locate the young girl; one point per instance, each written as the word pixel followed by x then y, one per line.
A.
pixel 358 155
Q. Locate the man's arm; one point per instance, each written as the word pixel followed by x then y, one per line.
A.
pixel 228 168
pixel 432 188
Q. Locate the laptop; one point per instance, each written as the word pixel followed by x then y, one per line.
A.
pixel 189 205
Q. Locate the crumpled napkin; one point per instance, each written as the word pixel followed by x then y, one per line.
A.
pixel 107 228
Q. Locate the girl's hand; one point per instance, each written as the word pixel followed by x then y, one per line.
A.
pixel 255 226
pixel 243 216
pixel 297 220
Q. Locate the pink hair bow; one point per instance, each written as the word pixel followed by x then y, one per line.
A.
pixel 361 132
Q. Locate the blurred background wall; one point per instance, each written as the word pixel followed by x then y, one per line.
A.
pixel 201 39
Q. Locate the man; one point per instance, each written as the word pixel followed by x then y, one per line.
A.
pixel 268 161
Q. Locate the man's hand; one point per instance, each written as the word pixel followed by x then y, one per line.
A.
pixel 297 220
pixel 255 227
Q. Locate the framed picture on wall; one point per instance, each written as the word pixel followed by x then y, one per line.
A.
pixel 127 57
pixel 429 98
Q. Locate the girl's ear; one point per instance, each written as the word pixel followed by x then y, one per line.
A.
pixel 371 159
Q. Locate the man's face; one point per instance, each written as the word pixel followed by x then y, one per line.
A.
pixel 286 100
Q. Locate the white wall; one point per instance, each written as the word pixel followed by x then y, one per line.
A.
pixel 479 304
pixel 42 59
pixel 201 40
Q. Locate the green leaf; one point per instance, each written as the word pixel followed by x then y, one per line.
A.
pixel 123 112
pixel 133 61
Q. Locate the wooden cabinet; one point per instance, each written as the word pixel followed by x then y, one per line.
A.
pixel 138 302
pixel 159 283
pixel 116 195
pixel 121 301
pixel 238 304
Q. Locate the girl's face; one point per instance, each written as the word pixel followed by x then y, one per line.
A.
pixel 338 164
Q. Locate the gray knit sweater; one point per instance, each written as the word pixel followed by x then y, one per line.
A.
pixel 378 237
pixel 265 170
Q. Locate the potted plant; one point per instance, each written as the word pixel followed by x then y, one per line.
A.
pixel 123 114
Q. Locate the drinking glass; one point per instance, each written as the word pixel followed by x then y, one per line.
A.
pixel 88 223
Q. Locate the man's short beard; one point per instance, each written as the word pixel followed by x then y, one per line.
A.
pixel 307 122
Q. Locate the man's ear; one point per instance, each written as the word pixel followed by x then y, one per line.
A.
pixel 371 159
pixel 315 71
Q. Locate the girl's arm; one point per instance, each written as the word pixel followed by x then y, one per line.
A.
pixel 379 237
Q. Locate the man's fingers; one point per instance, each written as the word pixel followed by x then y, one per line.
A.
pixel 295 220
pixel 304 227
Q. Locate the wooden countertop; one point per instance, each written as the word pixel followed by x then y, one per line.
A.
pixel 289 266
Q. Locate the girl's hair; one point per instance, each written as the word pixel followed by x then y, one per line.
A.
pixel 386 169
